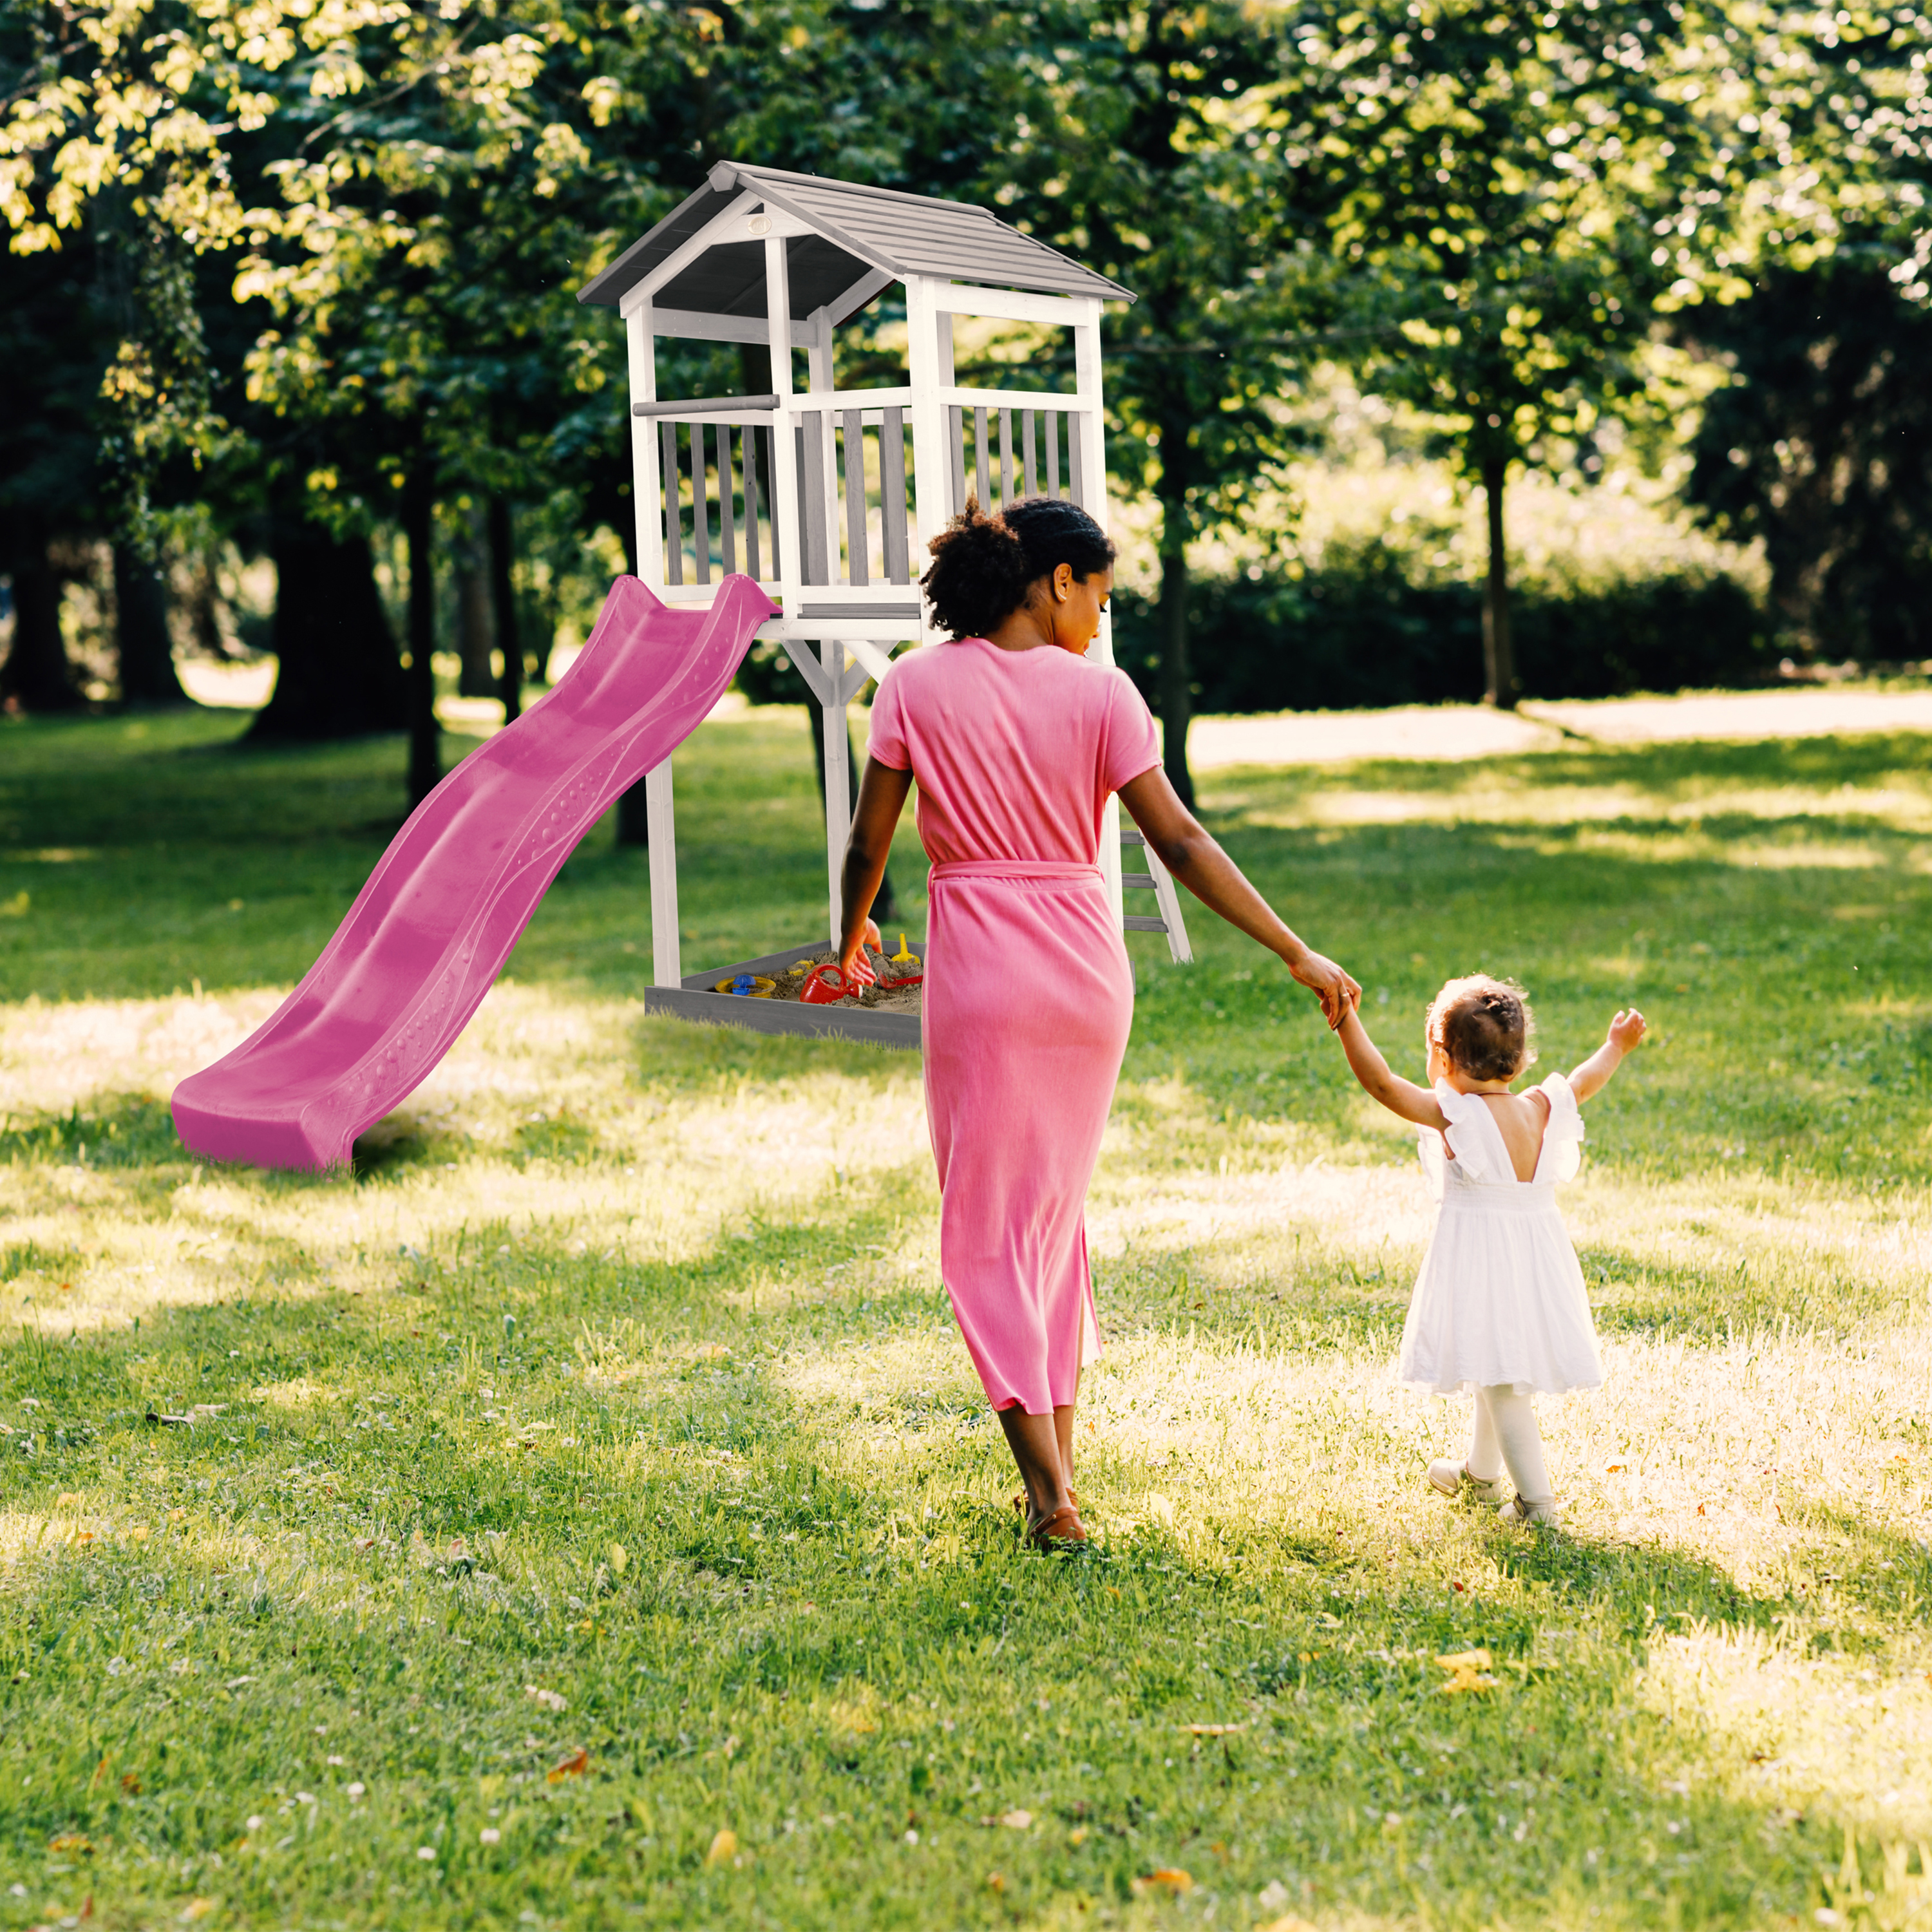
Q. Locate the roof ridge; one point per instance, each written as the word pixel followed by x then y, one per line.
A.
pixel 756 171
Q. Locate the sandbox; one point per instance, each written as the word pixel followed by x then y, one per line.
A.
pixel 886 1015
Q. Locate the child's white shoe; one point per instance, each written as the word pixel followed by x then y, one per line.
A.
pixel 1544 1515
pixel 1452 1478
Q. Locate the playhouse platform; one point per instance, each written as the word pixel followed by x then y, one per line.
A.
pixel 693 1000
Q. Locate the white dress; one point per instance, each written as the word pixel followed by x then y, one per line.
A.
pixel 1500 1297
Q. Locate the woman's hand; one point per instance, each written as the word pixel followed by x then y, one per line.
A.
pixel 1337 991
pixel 853 964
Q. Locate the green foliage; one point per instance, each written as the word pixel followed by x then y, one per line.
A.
pixel 1362 629
pixel 1492 178
pixel 1820 445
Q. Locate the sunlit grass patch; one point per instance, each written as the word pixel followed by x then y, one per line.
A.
pixel 1778 1722
pixel 584 1508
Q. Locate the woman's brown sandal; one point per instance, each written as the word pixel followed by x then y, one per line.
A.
pixel 1020 1499
pixel 1063 1529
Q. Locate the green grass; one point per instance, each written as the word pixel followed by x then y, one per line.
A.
pixel 619 1371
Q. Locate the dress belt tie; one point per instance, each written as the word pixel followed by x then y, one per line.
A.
pixel 1015 868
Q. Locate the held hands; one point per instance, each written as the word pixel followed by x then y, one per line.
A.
pixel 1627 1030
pixel 1337 991
pixel 853 964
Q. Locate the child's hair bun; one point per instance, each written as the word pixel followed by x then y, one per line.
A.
pixel 1484 1027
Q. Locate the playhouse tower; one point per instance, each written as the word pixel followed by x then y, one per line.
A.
pixel 826 496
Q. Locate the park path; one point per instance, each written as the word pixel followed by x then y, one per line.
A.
pixel 1457 731
pixel 1426 731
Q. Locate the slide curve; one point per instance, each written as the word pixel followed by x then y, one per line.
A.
pixel 429 933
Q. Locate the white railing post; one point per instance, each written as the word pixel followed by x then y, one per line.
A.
pixel 929 369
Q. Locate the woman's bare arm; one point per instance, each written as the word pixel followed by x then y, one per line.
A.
pixel 1402 1097
pixel 882 797
pixel 1187 849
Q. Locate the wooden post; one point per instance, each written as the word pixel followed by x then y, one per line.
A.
pixel 929 368
pixel 818 364
pixel 1087 426
pixel 647 491
pixel 646 484
pixel 837 779
pixel 788 565
pixel 661 820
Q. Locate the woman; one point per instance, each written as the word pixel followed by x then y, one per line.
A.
pixel 1016 742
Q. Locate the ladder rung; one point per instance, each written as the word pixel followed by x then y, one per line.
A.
pixel 1133 922
pixel 1138 882
pixel 1132 838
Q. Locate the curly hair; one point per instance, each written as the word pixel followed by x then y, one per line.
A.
pixel 985 568
pixel 1484 1027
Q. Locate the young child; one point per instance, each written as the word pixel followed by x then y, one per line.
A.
pixel 1499 1307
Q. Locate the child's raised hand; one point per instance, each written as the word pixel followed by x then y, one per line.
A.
pixel 1627 1030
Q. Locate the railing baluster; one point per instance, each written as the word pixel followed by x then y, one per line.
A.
pixel 728 527
pixel 812 458
pixel 858 563
pixel 1074 463
pixel 1053 453
pixel 700 507
pixel 892 494
pixel 979 455
pixel 1006 457
pixel 751 455
pixel 673 521
pixel 772 498
pixel 955 481
pixel 1026 452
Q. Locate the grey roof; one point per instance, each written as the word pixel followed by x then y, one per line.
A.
pixel 858 228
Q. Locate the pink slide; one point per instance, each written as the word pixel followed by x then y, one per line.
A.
pixel 429 933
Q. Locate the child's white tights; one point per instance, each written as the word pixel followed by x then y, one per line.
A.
pixel 1506 1436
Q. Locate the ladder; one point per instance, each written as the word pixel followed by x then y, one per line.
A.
pixel 1159 880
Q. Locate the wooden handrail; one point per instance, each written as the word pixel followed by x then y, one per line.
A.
pixel 704 406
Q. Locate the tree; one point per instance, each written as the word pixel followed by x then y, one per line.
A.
pixel 1513 192
pixel 339 674
pixel 51 323
pixel 110 153
pixel 1821 446
pixel 1141 152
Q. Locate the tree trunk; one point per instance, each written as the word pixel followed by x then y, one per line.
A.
pixel 202 605
pixel 425 747
pixel 503 600
pixel 1177 694
pixel 885 901
pixel 338 673
pixel 1498 653
pixel 474 627
pixel 37 676
pixel 634 825
pixel 141 629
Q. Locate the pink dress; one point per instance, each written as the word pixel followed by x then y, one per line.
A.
pixel 1028 993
